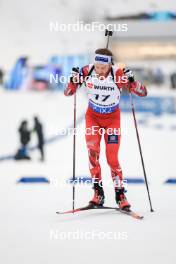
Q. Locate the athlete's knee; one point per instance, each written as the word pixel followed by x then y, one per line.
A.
pixel 93 146
pixel 94 155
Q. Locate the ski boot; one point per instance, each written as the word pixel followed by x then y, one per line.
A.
pixel 121 199
pixel 98 199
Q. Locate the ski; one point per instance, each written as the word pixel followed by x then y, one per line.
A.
pixel 129 212
pixel 85 208
pixel 126 211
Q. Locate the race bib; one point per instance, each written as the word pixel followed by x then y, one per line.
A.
pixel 103 95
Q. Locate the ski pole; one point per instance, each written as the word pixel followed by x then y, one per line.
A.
pixel 140 150
pixel 74 151
pixel 74 144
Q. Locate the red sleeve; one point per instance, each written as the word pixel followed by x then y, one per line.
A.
pixel 72 87
pixel 135 87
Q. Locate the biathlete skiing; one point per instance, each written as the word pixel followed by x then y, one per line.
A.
pixel 104 83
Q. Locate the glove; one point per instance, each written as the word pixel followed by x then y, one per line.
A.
pixel 137 88
pixel 74 76
pixel 129 74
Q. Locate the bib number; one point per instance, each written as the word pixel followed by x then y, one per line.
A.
pixel 103 98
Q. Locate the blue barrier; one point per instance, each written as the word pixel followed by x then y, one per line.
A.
pixel 170 181
pixel 33 180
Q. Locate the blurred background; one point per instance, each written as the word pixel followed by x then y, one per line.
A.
pixel 33 110
pixel 33 45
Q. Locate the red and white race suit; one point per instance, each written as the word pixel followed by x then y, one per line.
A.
pixel 103 112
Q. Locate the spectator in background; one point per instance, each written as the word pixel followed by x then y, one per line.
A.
pixel 25 136
pixel 38 128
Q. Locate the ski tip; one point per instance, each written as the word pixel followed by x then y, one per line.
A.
pixel 131 213
pixel 139 217
pixel 62 212
pixel 66 212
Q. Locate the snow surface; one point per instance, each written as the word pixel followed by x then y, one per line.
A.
pixel 31 231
